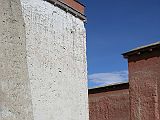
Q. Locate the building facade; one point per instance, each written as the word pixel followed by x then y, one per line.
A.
pixel 140 101
pixel 109 102
pixel 43 73
pixel 144 81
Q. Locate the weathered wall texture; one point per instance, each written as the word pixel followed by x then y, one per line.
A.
pixel 42 56
pixel 15 98
pixel 56 59
pixel 144 78
pixel 109 105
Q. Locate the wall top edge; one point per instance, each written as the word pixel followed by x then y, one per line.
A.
pixel 72 6
pixel 107 88
pixel 142 49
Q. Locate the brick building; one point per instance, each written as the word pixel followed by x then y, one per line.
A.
pixel 141 101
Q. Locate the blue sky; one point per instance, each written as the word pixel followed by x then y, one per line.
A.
pixel 114 27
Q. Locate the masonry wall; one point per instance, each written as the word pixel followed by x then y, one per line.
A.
pixel 144 78
pixel 109 105
pixel 15 97
pixel 43 62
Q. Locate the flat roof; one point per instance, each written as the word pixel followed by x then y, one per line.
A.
pixel 138 50
pixel 110 87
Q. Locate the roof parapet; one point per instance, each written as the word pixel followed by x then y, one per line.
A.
pixel 142 49
pixel 111 87
pixel 72 6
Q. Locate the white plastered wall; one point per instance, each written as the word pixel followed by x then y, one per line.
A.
pixel 56 59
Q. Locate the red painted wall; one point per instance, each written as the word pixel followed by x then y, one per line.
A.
pixel 75 5
pixel 144 80
pixel 142 100
pixel 109 105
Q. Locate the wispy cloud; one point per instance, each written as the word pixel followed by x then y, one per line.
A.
pixel 101 79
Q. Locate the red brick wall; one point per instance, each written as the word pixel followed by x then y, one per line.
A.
pixel 144 79
pixel 109 105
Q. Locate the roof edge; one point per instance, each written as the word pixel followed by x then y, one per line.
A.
pixel 75 9
pixel 107 88
pixel 80 3
pixel 138 50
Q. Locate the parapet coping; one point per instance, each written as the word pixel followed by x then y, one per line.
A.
pixel 110 87
pixel 68 8
pixel 138 50
pixel 80 3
